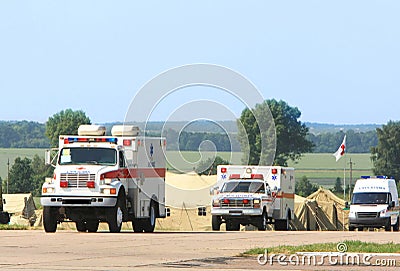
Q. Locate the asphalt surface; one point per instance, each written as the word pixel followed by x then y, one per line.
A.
pixel 70 250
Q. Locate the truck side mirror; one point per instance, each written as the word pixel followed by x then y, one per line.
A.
pixel 47 159
pixel 213 190
pixel 346 204
pixel 392 204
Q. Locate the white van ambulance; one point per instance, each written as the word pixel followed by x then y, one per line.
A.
pixel 375 204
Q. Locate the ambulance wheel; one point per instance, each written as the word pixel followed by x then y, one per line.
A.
pixel 150 222
pixel 396 226
pixel 281 224
pixel 137 225
pixel 116 215
pixel 80 226
pixel 232 225
pixel 50 219
pixel 262 224
pixel 216 222
pixel 92 226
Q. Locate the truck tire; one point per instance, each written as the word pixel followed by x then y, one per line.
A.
pixel 80 226
pixel 150 222
pixel 4 218
pixel 49 219
pixel 216 222
pixel 262 224
pixel 115 215
pixel 137 225
pixel 92 226
pixel 281 224
pixel 396 226
pixel 232 225
pixel 351 228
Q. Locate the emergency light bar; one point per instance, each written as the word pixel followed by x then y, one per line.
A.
pixel 70 140
pixel 378 177
pixel 252 176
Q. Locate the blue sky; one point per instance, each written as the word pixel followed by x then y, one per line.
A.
pixel 337 61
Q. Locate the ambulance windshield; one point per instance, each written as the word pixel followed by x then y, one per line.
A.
pixel 371 198
pixel 243 186
pixel 88 156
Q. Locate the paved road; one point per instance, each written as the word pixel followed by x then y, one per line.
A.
pixel 70 250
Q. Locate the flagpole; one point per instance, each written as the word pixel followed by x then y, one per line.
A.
pixel 344 180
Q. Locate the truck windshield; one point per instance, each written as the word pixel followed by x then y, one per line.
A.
pixel 92 156
pixel 371 198
pixel 243 186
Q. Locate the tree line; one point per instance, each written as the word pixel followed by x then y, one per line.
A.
pixel 29 134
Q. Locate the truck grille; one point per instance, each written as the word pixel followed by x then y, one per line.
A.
pixel 367 214
pixel 76 179
pixel 236 203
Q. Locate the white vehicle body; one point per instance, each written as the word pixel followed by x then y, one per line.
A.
pixel 109 179
pixel 375 204
pixel 255 195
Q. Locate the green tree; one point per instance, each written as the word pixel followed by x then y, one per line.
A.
pixel 64 122
pixel 21 176
pixel 257 128
pixel 338 186
pixel 386 155
pixel 209 166
pixel 39 174
pixel 304 187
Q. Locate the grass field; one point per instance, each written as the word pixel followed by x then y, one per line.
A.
pixel 320 168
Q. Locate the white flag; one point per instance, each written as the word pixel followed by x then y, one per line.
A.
pixel 341 150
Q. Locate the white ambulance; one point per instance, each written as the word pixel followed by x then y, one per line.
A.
pixel 256 195
pixel 374 204
pixel 111 179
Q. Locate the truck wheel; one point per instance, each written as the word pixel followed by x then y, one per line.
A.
pixel 351 228
pixel 396 226
pixel 80 226
pixel 262 224
pixel 216 222
pixel 116 216
pixel 232 226
pixel 281 224
pixel 150 223
pixel 92 226
pixel 49 219
pixel 137 225
pixel 4 218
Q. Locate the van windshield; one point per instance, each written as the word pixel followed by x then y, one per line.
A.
pixel 243 186
pixel 91 156
pixel 371 198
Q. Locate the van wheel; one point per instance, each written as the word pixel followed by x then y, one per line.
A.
pixel 92 226
pixel 50 219
pixel 80 226
pixel 262 224
pixel 216 222
pixel 396 226
pixel 388 226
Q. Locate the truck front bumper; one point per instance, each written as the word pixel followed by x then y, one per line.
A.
pixel 236 212
pixel 76 201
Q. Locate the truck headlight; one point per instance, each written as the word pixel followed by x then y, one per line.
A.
pixel 109 191
pixel 47 190
pixel 256 203
pixel 215 203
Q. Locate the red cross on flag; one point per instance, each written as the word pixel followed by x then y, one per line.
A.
pixel 340 152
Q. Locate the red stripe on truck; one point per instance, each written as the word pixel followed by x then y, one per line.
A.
pixel 136 173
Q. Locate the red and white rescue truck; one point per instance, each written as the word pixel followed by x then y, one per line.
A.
pixel 253 195
pixel 111 179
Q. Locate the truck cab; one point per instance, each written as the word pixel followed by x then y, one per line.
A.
pixel 374 204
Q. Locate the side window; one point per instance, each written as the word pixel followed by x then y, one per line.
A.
pixel 121 159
